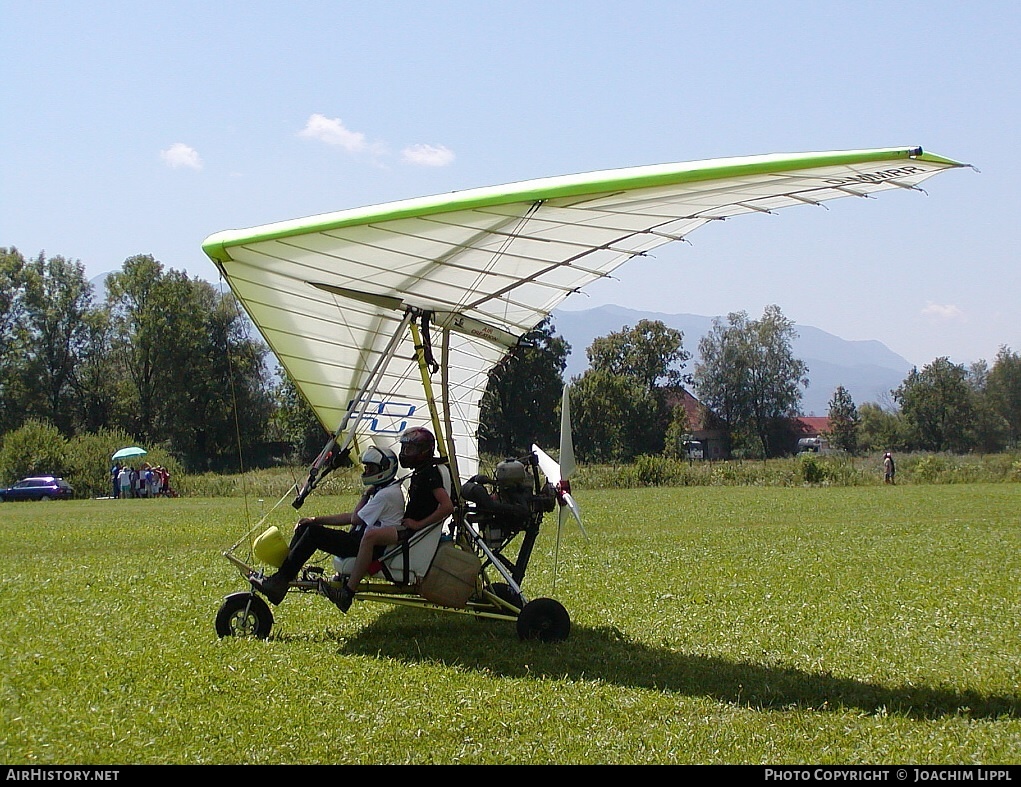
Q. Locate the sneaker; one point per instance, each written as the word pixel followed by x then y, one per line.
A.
pixel 341 596
pixel 346 597
pixel 272 587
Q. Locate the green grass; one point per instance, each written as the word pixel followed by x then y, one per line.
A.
pixel 709 625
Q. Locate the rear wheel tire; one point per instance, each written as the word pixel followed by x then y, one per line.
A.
pixel 544 619
pixel 244 615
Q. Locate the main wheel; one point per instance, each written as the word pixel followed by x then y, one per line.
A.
pixel 244 615
pixel 545 620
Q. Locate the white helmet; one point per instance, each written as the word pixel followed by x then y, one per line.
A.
pixel 380 466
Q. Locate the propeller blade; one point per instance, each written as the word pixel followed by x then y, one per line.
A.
pixel 575 511
pixel 549 466
pixel 567 465
pixel 551 469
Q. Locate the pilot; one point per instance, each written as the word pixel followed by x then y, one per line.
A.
pixel 381 507
pixel 428 502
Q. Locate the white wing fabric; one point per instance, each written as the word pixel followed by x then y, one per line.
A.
pixel 327 292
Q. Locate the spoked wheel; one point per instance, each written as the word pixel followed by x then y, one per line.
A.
pixel 244 615
pixel 545 620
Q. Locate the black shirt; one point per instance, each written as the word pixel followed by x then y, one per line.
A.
pixel 421 496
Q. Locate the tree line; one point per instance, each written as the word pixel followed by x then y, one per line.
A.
pixel 749 384
pixel 172 362
pixel 164 358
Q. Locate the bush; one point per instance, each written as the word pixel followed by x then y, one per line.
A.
pixel 929 469
pixel 812 471
pixel 652 471
pixel 36 448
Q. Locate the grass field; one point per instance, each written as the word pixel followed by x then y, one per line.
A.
pixel 863 625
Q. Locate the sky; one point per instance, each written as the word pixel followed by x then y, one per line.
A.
pixel 143 127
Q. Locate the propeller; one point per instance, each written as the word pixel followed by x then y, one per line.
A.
pixel 559 473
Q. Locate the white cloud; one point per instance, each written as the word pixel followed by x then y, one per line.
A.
pixel 944 312
pixel 332 131
pixel 180 155
pixel 428 155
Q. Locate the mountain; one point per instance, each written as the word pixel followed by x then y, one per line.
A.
pixel 869 370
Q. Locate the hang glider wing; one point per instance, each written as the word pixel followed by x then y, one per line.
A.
pixel 329 292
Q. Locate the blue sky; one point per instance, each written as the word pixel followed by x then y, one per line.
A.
pixel 142 127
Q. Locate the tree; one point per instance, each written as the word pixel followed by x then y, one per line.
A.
pixel 57 300
pixel 989 430
pixel 33 448
pixel 880 429
pixel 677 433
pixel 937 405
pixel 12 333
pixel 777 377
pixel 229 401
pixel 650 352
pixel 653 356
pixel 522 398
pixel 143 339
pixel 615 417
pixel 749 376
pixel 1004 390
pixel 163 323
pixel 844 421
pixel 98 388
pixel 720 375
pixel 296 421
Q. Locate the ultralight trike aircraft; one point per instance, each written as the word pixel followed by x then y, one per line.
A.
pixel 393 316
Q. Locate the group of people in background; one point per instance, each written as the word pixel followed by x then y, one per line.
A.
pixel 144 481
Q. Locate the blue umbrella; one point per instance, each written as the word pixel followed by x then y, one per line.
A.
pixel 134 450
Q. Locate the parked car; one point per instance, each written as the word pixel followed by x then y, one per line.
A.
pixel 44 487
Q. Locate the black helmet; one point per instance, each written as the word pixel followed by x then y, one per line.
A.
pixel 380 466
pixel 417 446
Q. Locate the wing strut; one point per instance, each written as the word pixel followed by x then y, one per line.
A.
pixel 423 353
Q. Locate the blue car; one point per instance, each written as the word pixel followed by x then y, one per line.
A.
pixel 44 487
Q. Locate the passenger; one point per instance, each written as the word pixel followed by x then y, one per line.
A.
pixel 428 503
pixel 381 507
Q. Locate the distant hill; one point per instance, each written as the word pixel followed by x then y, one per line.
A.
pixel 869 370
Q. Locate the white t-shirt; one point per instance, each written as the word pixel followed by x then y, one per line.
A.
pixel 384 509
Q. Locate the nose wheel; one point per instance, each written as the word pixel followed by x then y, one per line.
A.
pixel 244 615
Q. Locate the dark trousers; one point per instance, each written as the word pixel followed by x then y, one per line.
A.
pixel 308 538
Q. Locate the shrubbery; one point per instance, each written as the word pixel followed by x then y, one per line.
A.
pixel 36 448
pixel 84 461
pixel 812 470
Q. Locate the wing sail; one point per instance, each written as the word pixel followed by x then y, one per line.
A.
pixel 328 292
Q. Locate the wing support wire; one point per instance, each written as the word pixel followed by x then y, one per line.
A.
pixel 335 453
